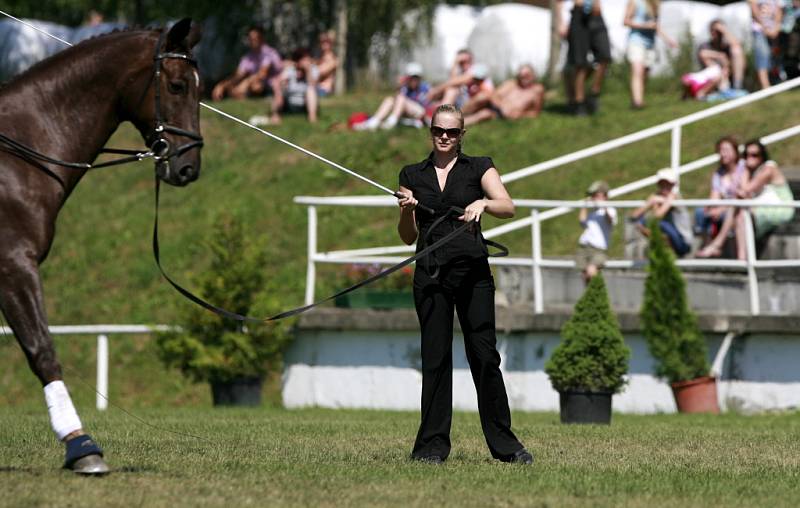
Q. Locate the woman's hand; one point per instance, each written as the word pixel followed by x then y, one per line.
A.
pixel 407 202
pixel 472 213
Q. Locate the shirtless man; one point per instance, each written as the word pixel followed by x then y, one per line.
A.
pixel 516 98
pixel 326 64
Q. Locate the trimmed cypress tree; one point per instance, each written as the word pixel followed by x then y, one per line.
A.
pixel 592 355
pixel 669 325
pixel 216 349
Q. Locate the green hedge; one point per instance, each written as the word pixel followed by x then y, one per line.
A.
pixel 592 355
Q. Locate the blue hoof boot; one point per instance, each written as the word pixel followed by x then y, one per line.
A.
pixel 84 456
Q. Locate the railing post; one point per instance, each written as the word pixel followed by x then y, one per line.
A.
pixel 675 149
pixel 102 372
pixel 312 253
pixel 752 277
pixel 536 268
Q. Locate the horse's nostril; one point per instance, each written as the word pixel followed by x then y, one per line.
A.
pixel 186 172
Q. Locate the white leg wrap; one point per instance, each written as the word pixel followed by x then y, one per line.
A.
pixel 63 417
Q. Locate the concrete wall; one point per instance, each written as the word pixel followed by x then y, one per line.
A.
pixel 338 362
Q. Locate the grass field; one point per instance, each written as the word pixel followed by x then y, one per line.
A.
pixel 273 457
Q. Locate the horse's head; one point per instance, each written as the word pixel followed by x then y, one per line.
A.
pixel 169 114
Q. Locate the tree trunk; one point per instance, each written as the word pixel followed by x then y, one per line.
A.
pixel 553 75
pixel 341 46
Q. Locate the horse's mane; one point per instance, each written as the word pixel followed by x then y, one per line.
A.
pixel 82 44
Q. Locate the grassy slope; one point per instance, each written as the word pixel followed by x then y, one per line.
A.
pixel 357 458
pixel 101 268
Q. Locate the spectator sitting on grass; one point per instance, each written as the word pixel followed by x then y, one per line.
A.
pixel 326 64
pixel 596 237
pixel 674 221
pixel 516 98
pixel 410 102
pixel 724 50
pixel 257 72
pixel 298 90
pixel 466 81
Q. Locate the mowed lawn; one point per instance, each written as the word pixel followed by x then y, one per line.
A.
pixel 273 457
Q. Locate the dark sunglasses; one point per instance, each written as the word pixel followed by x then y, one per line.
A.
pixel 451 133
pixel 753 154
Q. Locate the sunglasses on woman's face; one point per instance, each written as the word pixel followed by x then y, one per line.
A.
pixel 753 154
pixel 438 132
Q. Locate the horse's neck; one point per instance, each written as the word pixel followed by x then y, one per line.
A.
pixel 74 103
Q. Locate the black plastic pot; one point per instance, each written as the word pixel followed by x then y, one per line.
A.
pixel 238 392
pixel 586 407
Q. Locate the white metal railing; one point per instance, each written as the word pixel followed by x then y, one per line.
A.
pixel 102 332
pixel 675 127
pixel 537 261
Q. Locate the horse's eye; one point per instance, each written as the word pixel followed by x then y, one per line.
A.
pixel 176 87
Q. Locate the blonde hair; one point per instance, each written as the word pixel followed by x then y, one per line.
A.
pixel 450 109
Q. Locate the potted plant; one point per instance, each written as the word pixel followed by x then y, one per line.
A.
pixel 590 363
pixel 391 292
pixel 231 356
pixel 673 336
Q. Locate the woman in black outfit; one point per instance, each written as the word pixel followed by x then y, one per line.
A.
pixel 457 277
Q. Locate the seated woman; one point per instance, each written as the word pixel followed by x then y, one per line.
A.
pixel 768 184
pixel 411 102
pixel 726 183
pixel 673 221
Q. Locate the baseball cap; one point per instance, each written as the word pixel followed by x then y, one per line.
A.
pixel 597 186
pixel 480 71
pixel 413 69
pixel 667 175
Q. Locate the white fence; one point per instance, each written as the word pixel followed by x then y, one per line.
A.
pixel 537 261
pixel 675 127
pixel 102 332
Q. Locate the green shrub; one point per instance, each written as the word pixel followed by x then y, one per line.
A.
pixel 669 325
pixel 211 348
pixel 592 355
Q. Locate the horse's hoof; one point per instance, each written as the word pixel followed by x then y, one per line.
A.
pixel 90 465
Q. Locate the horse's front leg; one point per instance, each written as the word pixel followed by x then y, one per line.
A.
pixel 23 306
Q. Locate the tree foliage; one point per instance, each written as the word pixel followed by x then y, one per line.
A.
pixel 670 327
pixel 592 355
pixel 210 348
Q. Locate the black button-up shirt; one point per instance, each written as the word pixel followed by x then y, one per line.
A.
pixel 463 186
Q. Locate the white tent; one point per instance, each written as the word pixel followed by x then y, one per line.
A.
pixel 506 35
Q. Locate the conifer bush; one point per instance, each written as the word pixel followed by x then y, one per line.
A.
pixel 592 355
pixel 211 348
pixel 669 325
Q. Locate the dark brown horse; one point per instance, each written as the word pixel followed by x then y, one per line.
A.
pixel 65 109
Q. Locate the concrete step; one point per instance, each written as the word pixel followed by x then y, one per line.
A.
pixel 721 291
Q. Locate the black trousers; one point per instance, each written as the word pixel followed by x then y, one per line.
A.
pixel 467 286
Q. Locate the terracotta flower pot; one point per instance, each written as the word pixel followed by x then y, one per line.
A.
pixel 696 395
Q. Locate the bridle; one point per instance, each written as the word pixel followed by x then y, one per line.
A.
pixel 160 149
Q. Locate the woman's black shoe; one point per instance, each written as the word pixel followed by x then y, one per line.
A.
pixel 431 459
pixel 522 457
